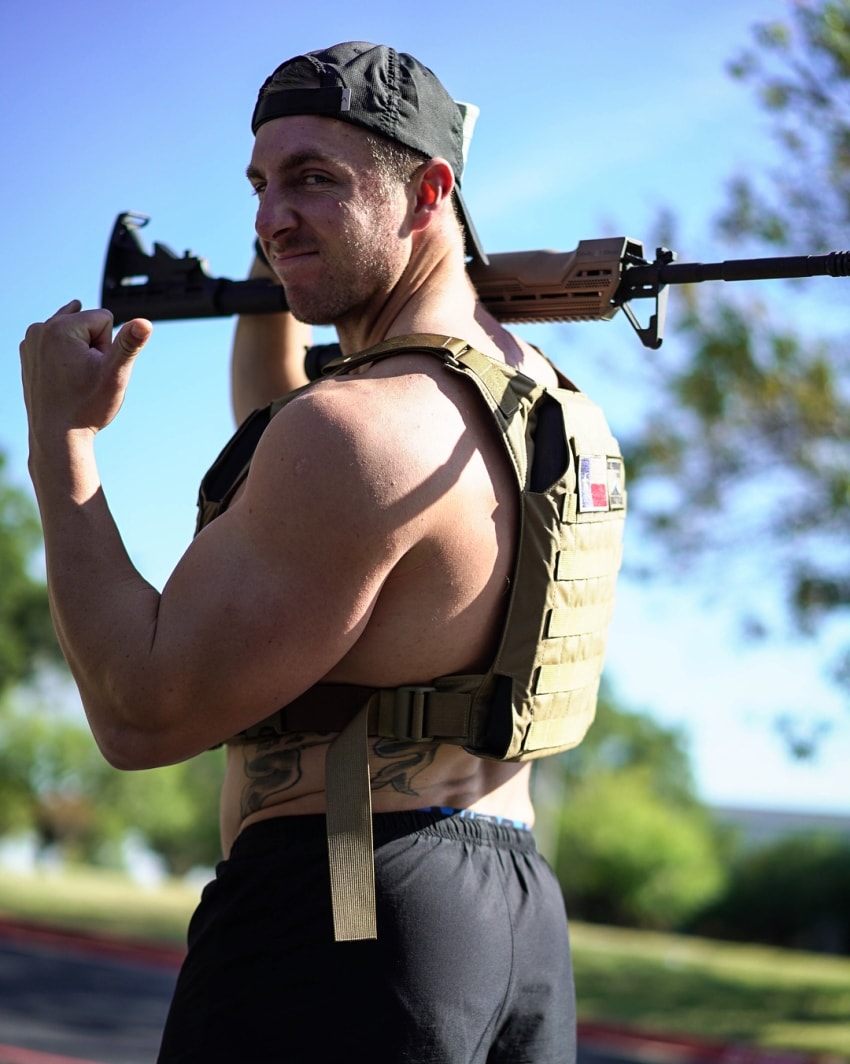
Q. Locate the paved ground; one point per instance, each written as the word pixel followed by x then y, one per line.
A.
pixel 76 1000
pixel 81 1001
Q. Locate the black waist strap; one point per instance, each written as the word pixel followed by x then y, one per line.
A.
pixel 409 713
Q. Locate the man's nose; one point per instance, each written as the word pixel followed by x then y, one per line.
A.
pixel 274 216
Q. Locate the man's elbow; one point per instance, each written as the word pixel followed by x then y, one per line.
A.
pixel 138 721
pixel 130 748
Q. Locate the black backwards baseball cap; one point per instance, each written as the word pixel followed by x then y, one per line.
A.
pixel 385 91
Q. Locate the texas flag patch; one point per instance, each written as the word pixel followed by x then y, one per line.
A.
pixel 601 484
pixel 592 482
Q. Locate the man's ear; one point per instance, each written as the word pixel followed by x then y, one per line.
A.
pixel 431 191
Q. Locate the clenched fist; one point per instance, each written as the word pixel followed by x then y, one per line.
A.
pixel 74 373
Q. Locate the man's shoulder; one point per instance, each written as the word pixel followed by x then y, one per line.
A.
pixel 371 428
pixel 376 394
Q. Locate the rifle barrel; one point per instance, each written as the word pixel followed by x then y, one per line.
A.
pixel 836 264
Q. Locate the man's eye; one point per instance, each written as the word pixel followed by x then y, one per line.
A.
pixel 257 190
pixel 316 179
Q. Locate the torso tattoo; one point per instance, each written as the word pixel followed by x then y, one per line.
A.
pixel 274 767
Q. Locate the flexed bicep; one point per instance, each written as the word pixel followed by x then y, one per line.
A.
pixel 277 589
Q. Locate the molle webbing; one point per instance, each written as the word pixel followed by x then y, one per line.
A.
pixel 539 695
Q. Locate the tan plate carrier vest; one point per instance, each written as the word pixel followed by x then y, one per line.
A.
pixel 539 695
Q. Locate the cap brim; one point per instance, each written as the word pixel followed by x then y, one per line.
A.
pixel 474 250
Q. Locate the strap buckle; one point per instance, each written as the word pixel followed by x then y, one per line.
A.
pixel 409 713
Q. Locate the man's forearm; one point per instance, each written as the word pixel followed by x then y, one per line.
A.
pixel 268 356
pixel 104 612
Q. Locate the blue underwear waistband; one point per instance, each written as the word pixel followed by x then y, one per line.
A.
pixel 471 814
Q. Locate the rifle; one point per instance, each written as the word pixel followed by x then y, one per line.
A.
pixel 591 283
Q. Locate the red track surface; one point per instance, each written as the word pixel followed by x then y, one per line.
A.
pixel 13 1055
pixel 169 956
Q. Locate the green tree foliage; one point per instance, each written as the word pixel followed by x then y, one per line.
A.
pixel 800 69
pixel 621 740
pixel 175 811
pixel 55 784
pixel 792 893
pixel 628 856
pixel 748 441
pixel 26 632
pixel 632 843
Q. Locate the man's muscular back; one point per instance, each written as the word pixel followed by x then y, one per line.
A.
pixel 442 499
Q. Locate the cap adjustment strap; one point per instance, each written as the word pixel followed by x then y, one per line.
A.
pixel 331 100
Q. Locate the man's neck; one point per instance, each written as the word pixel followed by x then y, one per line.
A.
pixel 433 295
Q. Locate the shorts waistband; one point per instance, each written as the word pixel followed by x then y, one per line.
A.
pixel 439 822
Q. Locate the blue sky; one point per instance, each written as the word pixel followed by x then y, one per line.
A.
pixel 593 118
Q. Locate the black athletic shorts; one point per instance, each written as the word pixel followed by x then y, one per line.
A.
pixel 471 964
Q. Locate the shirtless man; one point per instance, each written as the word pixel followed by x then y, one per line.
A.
pixel 371 543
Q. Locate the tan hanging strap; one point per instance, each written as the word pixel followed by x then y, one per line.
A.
pixel 349 821
pixel 409 713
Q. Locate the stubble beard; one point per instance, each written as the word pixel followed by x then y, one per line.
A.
pixel 363 270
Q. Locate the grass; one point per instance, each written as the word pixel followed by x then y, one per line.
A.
pixel 100 902
pixel 673 984
pixel 669 984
